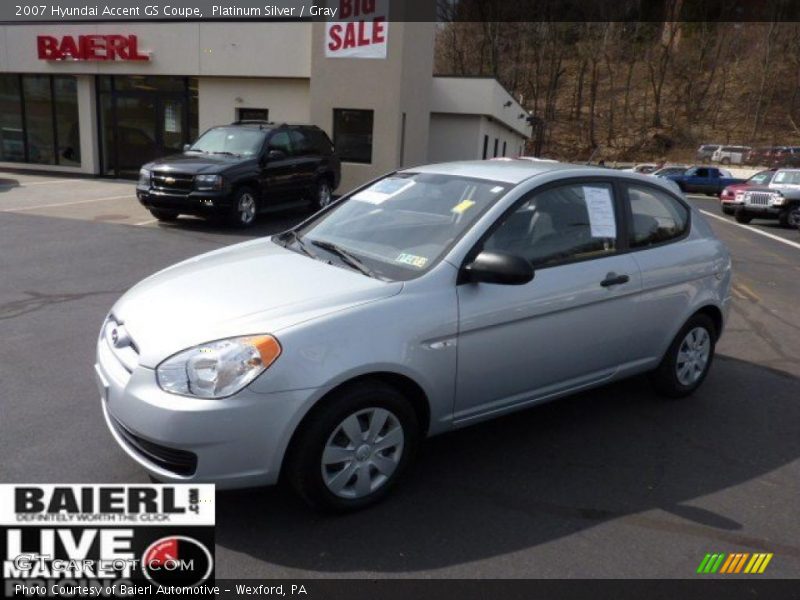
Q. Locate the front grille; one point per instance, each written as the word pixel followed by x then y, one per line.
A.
pixel 176 461
pixel 172 182
pixel 758 198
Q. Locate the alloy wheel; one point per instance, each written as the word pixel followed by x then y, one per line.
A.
pixel 324 195
pixel 693 355
pixel 246 208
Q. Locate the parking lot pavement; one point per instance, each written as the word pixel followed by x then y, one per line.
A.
pixel 609 483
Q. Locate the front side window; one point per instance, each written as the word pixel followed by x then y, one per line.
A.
pixel 352 134
pixel 560 224
pixel 657 217
pixel 400 226
pixel 237 141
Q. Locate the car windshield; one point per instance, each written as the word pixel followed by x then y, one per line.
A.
pixel 787 178
pixel 239 141
pixel 398 227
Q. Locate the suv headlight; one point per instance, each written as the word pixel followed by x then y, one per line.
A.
pixel 778 199
pixel 208 182
pixel 144 178
pixel 218 369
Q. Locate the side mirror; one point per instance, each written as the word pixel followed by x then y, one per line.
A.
pixel 275 154
pixel 186 147
pixel 499 267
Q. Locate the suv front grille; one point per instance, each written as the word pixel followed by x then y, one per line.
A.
pixel 758 198
pixel 172 182
pixel 176 461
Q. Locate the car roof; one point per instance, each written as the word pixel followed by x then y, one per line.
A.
pixel 509 171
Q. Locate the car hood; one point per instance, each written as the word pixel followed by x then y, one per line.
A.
pixel 250 288
pixel 194 163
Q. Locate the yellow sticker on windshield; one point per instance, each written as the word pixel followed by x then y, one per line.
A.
pixel 462 207
pixel 412 259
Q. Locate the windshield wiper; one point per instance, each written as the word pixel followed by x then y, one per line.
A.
pixel 346 257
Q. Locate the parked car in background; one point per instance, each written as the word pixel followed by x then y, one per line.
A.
pixel 239 170
pixel 786 156
pixel 728 197
pixel 486 287
pixel 644 168
pixel 705 152
pixel 704 180
pixel 730 155
pixel 761 155
pixel 779 200
pixel 670 170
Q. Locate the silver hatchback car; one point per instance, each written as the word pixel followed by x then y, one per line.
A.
pixel 430 299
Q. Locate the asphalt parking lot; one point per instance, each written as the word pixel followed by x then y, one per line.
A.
pixel 610 483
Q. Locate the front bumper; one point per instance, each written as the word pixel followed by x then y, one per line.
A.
pixel 761 211
pixel 234 442
pixel 193 203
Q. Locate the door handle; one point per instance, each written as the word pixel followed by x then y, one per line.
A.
pixel 614 279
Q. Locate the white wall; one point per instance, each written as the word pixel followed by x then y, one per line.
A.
pixel 218 98
pixel 502 133
pixel 454 137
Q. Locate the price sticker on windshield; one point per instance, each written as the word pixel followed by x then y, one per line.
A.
pixel 383 190
pixel 412 259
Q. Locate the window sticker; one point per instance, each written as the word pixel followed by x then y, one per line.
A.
pixel 383 190
pixel 462 207
pixel 497 188
pixel 601 212
pixel 412 259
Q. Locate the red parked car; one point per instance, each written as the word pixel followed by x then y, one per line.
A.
pixel 728 196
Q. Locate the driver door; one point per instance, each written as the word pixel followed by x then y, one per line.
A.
pixel 567 328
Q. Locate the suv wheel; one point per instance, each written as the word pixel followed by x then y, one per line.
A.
pixel 790 218
pixel 323 195
pixel 352 449
pixel 688 359
pixel 728 210
pixel 743 217
pixel 245 208
pixel 164 215
pixel 726 161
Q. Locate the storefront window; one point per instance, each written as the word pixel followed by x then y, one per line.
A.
pixel 39 133
pixel 67 130
pixel 12 141
pixel 352 134
pixel 39 120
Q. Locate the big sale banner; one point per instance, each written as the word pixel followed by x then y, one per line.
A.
pixel 361 32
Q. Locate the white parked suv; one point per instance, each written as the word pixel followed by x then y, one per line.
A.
pixel 730 155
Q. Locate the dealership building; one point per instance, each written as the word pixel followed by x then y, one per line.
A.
pixel 102 98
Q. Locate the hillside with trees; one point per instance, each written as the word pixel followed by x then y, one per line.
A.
pixel 637 90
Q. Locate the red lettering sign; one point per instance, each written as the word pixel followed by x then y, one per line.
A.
pixel 361 32
pixel 89 47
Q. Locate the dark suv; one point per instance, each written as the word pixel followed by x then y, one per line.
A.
pixel 236 171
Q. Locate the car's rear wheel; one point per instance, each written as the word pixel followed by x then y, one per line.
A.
pixel 743 217
pixel 164 215
pixel 688 359
pixel 351 450
pixel 322 195
pixel 244 209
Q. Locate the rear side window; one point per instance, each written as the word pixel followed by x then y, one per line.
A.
pixel 657 217
pixel 321 142
pixel 301 145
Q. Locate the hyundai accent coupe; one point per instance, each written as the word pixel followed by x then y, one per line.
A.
pixel 430 299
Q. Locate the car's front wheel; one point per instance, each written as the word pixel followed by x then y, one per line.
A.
pixel 743 217
pixel 164 215
pixel 688 359
pixel 351 450
pixel 727 210
pixel 244 208
pixel 790 218
pixel 322 195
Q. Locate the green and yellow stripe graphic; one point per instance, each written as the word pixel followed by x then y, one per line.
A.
pixel 737 562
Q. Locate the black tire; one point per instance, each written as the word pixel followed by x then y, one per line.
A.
pixel 726 161
pixel 727 210
pixel 239 216
pixel 303 467
pixel 321 195
pixel 665 378
pixel 743 217
pixel 166 216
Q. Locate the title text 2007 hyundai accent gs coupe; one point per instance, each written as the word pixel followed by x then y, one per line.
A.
pixel 430 299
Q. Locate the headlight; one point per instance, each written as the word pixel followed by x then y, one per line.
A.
pixel 208 182
pixel 144 178
pixel 218 369
pixel 778 199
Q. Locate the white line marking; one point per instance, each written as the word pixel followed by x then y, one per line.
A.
pixel 48 182
pixel 771 236
pixel 146 222
pixel 24 208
